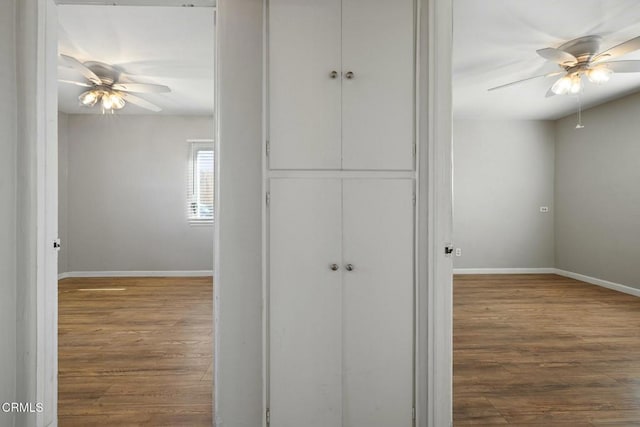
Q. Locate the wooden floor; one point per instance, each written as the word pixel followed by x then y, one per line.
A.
pixel 528 350
pixel 544 350
pixel 138 356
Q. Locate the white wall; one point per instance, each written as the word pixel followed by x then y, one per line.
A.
pixel 503 173
pixel 598 193
pixel 127 194
pixel 238 268
pixel 7 208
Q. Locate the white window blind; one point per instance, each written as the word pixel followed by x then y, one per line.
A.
pixel 200 182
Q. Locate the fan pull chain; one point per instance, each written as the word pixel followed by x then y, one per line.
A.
pixel 579 125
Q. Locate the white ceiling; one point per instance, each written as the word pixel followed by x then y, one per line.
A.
pixel 172 46
pixel 495 42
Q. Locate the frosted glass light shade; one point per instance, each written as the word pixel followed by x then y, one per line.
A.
pixel 89 98
pixel 576 84
pixel 117 102
pixel 562 86
pixel 599 75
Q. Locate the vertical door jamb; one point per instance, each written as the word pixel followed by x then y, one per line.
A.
pixel 47 213
pixel 435 310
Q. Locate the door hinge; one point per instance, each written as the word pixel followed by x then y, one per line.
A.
pixel 415 149
pixel 268 416
pixel 413 413
pixel 268 198
pixel 57 245
pixel 268 148
pixel 414 199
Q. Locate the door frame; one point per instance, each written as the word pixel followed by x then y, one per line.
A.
pixel 45 116
pixel 435 229
pixel 46 258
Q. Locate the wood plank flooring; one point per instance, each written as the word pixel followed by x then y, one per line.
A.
pixel 535 350
pixel 141 356
pixel 544 350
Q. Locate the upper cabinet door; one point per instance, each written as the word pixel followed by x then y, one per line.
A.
pixel 378 43
pixel 304 94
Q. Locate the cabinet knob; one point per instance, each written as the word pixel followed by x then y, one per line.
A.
pixel 334 267
pixel 349 75
pixel 333 74
pixel 349 267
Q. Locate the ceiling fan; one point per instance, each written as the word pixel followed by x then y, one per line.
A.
pixel 106 88
pixel 582 58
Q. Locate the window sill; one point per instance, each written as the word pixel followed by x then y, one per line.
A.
pixel 200 222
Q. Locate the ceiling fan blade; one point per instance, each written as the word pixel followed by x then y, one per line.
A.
pixel 619 50
pixel 550 93
pixel 140 102
pixel 622 66
pixel 525 80
pixel 72 62
pixel 558 56
pixel 71 82
pixel 141 88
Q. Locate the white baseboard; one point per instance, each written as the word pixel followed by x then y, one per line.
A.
pixel 599 282
pixel 179 273
pixel 504 270
pixel 587 279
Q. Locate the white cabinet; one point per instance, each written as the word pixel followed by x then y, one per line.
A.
pixel 341 302
pixel 341 131
pixel 341 84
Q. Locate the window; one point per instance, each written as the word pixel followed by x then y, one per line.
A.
pixel 200 182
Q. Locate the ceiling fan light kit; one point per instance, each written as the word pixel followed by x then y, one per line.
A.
pixel 109 99
pixel 105 87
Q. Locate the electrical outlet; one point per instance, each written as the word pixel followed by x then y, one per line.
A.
pixel 458 252
pixel 544 209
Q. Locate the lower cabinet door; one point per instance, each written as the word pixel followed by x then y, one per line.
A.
pixel 378 292
pixel 341 336
pixel 305 307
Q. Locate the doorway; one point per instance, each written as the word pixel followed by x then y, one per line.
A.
pixel 136 214
pixel 544 211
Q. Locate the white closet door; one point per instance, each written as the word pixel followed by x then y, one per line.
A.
pixel 378 303
pixel 305 303
pixel 378 102
pixel 304 100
